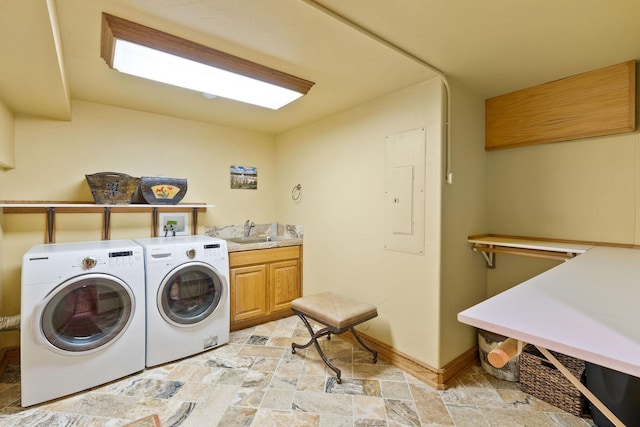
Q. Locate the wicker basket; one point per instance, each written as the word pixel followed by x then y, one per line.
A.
pixel 112 188
pixel 540 378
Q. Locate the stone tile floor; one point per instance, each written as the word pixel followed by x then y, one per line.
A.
pixel 255 380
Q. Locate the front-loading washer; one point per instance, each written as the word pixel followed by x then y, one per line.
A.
pixel 83 317
pixel 187 296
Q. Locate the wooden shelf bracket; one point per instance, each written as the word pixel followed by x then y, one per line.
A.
pixel 51 219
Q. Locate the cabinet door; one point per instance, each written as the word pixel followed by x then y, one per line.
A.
pixel 248 292
pixel 284 284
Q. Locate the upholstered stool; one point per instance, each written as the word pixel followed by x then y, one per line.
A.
pixel 339 314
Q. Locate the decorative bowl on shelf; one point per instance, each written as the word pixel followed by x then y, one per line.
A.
pixel 112 188
pixel 158 190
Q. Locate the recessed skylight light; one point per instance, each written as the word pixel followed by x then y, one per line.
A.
pixel 151 54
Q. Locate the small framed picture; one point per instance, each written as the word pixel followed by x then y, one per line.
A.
pixel 244 177
pixel 173 224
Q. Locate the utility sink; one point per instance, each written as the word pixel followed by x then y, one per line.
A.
pixel 256 239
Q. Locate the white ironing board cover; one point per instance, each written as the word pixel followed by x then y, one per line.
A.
pixel 588 307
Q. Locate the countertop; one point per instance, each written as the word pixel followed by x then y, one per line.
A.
pixel 238 247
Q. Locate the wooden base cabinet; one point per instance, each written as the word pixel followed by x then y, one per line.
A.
pixel 263 283
pixel 248 296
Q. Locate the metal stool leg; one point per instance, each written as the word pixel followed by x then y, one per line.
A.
pixel 366 347
pixel 314 339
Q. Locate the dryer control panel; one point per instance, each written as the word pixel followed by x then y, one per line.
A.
pixel 124 257
pixel 215 250
pixel 111 259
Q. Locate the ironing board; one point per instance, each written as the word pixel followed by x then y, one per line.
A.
pixel 588 308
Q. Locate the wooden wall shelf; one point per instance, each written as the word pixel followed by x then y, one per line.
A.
pixel 490 245
pixel 51 208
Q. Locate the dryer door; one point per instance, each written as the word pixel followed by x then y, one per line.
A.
pixel 190 293
pixel 85 313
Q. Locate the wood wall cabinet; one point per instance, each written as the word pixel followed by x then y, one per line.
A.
pixel 263 283
pixel 596 103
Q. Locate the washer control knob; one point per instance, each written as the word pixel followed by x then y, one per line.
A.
pixel 191 253
pixel 89 262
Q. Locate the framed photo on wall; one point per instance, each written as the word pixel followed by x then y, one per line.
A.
pixel 244 177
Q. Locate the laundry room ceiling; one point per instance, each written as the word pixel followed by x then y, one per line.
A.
pixel 50 50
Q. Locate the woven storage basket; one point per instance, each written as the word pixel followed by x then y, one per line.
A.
pixel 540 378
pixel 112 187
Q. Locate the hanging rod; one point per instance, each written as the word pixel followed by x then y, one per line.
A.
pixel 488 246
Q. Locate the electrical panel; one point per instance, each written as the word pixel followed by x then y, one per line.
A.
pixel 405 159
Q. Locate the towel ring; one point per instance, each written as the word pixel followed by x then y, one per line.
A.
pixel 296 192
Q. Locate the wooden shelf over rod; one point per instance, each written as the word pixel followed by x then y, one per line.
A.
pixel 51 208
pixel 490 245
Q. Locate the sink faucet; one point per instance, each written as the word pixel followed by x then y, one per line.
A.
pixel 248 225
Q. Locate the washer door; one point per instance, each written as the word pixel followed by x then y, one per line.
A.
pixel 85 313
pixel 190 293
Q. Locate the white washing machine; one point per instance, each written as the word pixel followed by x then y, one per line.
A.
pixel 83 317
pixel 187 296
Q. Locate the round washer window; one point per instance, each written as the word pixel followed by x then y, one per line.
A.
pixel 86 312
pixel 190 293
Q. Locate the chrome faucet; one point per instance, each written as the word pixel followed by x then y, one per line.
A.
pixel 248 225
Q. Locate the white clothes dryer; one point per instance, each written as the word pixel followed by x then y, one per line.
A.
pixel 83 317
pixel 187 296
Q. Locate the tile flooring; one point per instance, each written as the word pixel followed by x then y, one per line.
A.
pixel 255 380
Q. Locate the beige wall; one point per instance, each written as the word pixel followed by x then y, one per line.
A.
pixel 583 190
pixel 464 212
pixel 6 161
pixel 52 158
pixel 102 138
pixel 637 210
pixel 339 161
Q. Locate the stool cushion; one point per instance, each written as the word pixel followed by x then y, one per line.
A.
pixel 335 310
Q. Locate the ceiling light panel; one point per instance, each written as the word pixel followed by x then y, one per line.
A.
pixel 144 52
